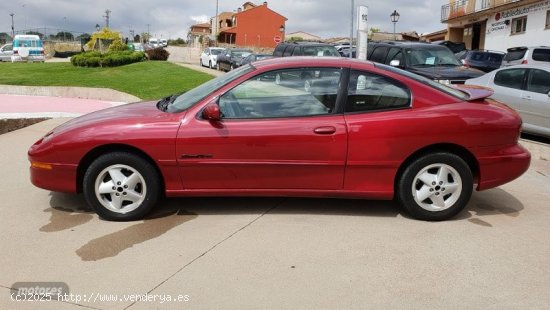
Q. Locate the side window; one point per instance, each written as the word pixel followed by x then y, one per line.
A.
pixel 511 78
pixel 372 92
pixel 283 93
pixel 288 51
pixel 395 53
pixel 297 51
pixel 539 81
pixel 379 54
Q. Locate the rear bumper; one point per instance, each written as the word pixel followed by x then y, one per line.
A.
pixel 500 166
pixel 30 58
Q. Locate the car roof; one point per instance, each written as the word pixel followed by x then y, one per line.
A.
pixel 303 43
pixel 542 66
pixel 312 61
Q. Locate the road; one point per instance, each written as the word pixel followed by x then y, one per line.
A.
pixel 277 253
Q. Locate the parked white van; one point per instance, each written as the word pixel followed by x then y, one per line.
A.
pixel 154 43
pixel 27 48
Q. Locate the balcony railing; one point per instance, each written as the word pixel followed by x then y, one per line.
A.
pixel 461 8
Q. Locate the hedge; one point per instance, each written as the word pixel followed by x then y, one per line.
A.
pixel 111 59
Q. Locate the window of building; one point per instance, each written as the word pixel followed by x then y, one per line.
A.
pixel 547 19
pixel 372 92
pixel 519 25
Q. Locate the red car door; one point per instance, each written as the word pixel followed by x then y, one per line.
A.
pixel 278 131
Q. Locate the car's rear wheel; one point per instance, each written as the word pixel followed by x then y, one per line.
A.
pixel 121 186
pixel 210 64
pixel 435 187
pixel 218 66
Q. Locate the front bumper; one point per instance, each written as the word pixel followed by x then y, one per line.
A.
pixel 57 178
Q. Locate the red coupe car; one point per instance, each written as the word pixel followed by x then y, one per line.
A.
pixel 310 127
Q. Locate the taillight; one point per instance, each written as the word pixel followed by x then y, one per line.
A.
pixel 16 52
pixel 465 63
pixel 524 62
pixel 41 52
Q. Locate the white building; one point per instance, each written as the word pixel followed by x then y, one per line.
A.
pixel 497 24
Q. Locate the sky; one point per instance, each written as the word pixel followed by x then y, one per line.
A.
pixel 172 18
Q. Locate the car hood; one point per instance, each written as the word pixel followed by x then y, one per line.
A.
pixel 447 73
pixel 124 116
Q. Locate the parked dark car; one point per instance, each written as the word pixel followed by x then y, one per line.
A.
pixel 287 49
pixel 453 46
pixel 229 59
pixel 483 60
pixel 435 62
pixel 253 57
pixel 344 52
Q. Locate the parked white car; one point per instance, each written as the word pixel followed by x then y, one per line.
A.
pixel 209 56
pixel 28 48
pixel 526 56
pixel 526 88
pixel 164 42
pixel 6 51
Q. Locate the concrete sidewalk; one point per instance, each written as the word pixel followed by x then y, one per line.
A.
pixel 15 106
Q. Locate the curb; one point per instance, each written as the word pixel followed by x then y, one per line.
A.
pixel 105 94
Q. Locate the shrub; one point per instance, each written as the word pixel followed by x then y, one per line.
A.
pixel 118 46
pixel 157 54
pixel 111 59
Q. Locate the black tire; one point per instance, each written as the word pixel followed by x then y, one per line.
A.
pixel 232 67
pixel 439 170
pixel 128 164
pixel 210 64
pixel 218 66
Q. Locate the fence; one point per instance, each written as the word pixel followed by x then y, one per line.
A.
pixel 47 34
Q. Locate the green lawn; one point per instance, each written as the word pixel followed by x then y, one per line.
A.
pixel 146 80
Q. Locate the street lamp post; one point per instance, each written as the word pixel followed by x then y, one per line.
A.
pixel 394 19
pixel 12 27
pixel 64 28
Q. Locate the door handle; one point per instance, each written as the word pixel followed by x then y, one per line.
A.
pixel 325 130
pixel 526 97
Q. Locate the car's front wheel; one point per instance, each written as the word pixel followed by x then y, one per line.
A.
pixel 435 187
pixel 121 186
pixel 210 64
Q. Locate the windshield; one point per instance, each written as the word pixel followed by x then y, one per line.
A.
pixel 430 56
pixel 215 52
pixel 241 54
pixel 188 99
pixel 446 89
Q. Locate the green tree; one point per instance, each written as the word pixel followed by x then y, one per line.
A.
pixel 105 35
pixel 373 30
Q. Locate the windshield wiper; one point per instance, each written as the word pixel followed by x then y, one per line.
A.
pixel 165 102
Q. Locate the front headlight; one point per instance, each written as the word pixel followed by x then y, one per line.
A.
pixel 444 82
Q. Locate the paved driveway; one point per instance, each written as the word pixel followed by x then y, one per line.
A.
pixel 276 253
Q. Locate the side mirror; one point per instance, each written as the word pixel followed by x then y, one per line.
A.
pixel 212 112
pixel 395 63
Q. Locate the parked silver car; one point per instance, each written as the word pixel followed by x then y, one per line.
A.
pixel 6 51
pixel 525 88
